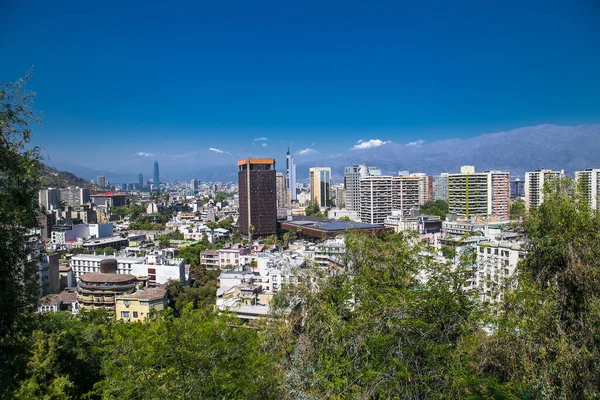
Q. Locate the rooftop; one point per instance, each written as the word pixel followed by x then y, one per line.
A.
pixel 145 294
pixel 110 194
pixel 99 277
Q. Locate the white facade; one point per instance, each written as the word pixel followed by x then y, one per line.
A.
pixel 159 268
pixel 495 269
pixel 440 187
pixel 82 231
pixel 534 185
pixel 589 181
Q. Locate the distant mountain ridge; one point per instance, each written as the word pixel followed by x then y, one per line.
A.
pixel 519 150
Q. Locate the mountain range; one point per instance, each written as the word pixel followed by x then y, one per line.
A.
pixel 519 150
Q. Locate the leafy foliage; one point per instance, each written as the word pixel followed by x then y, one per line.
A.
pixel 19 183
pixel 198 355
pixel 546 344
pixel 435 207
pixel 517 209
pixel 313 210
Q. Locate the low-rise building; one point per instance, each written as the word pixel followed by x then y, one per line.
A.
pixel 98 290
pixel 158 268
pixel 137 306
pixel 495 269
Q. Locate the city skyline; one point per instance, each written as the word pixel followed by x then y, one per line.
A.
pixel 322 79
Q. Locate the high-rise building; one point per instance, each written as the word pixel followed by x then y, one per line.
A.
pixel 290 177
pixel 141 181
pixel 534 185
pixel 407 193
pixel 101 181
pixel 74 196
pixel 48 198
pixel 258 199
pixel 340 197
pixel 425 186
pixel 156 176
pixel 440 187
pixel 375 198
pixel 517 188
pixel 282 192
pixel 352 177
pixel 194 184
pixel 320 183
pixel 484 194
pixel 589 181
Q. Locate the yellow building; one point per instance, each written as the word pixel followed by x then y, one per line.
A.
pixel 138 305
pixel 320 183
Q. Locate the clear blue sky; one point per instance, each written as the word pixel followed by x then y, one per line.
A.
pixel 174 79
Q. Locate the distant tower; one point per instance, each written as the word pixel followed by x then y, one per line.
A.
pixel 194 184
pixel 101 180
pixel 141 181
pixel 258 200
pixel 156 176
pixel 290 175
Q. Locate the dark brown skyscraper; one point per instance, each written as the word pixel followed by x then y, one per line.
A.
pixel 258 199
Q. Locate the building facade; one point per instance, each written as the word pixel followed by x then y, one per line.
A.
pixel 440 187
pixel 157 268
pixel 156 176
pixel 375 199
pixel 282 191
pixel 482 195
pixel 320 184
pixel 74 196
pixel 48 198
pixel 589 181
pixel 352 177
pixel 290 177
pixel 258 198
pixel 535 182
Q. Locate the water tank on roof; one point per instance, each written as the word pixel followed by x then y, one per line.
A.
pixel 108 266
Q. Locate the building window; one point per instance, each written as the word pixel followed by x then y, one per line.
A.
pixel 124 314
pixel 135 314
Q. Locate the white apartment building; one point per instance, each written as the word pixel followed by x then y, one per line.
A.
pixel 495 269
pixel 589 181
pixel 157 267
pixel 81 231
pixel 483 194
pixel 534 185
pixel 375 198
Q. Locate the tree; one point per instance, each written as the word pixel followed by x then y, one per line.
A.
pixel 164 242
pixel 345 218
pixel 435 207
pixel 314 210
pixel 272 240
pixel 19 184
pixel 198 355
pixel 250 231
pixel 108 250
pixel 517 209
pixel 546 341
pixel 377 328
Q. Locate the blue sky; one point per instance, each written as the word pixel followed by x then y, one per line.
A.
pixel 121 84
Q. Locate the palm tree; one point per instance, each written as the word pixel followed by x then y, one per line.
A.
pixel 250 231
